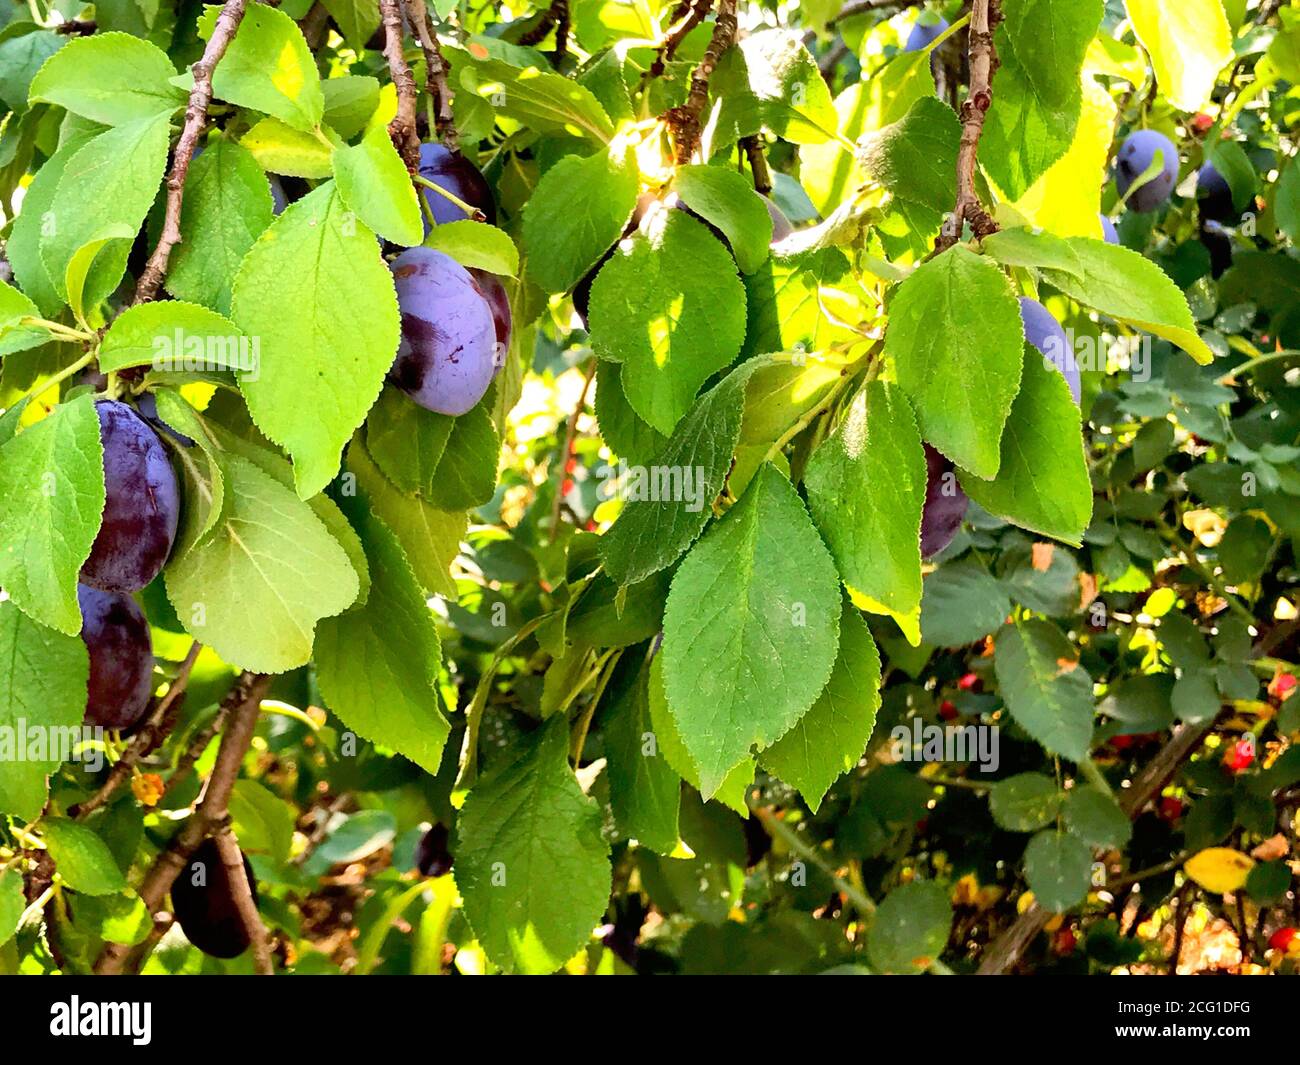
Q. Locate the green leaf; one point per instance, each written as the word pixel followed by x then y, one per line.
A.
pixel 787 300
pixel 467 470
pixel 751 628
pixel 771 81
pixel 407 442
pixel 24 245
pixel 543 100
pixel 378 666
pixel 1025 802
pixel 24 49
pixel 476 244
pixel 644 790
pixel 1045 688
pixel 726 198
pixel 911 927
pixel 1232 162
pixel 104 193
pixel 961 603
pixel 731 793
pixel 82 858
pixel 268 67
pixel 350 100
pixel 51 500
pixel 564 234
pixel 1050 38
pixel 14 336
pixel 1096 818
pixel 1024 132
pixel 255 590
pixel 829 739
pixel 1042 482
pixel 43 677
pixel 262 821
pixel 226 207
pixel 174 336
pixel 1189 41
pixel 430 537
pixel 373 182
pixel 281 149
pixel 531 863
pixel 916 157
pixel 958 347
pixel 111 78
pixel 655 528
pixel 323 358
pixel 866 489
pixel 1059 870
pixel 357 20
pixel 1131 289
pixel 625 431
pixel 12 902
pixel 1028 248
pixel 671 309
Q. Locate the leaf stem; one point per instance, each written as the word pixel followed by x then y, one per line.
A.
pixel 473 212
pixel 61 376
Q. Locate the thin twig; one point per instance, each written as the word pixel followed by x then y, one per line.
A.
pixel 435 75
pixel 753 146
pixel 863 7
pixel 242 892
pixel 402 129
pixel 685 119
pixel 985 16
pixel 196 116
pixel 688 15
pixel 161 721
pixel 244 705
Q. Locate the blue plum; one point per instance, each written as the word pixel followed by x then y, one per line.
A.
pixel 1214 195
pixel 453 172
pixel 433 855
pixel 1108 231
pixel 142 504
pixel 1044 332
pixel 446 357
pixel 924 32
pixel 279 198
pixel 781 227
pixel 945 504
pixel 116 635
pixel 203 900
pixel 1136 154
pixel 492 290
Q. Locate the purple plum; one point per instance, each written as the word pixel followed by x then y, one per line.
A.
pixel 781 227
pixel 142 504
pixel 924 32
pixel 117 637
pixel 492 290
pixel 453 172
pixel 432 856
pixel 446 357
pixel 203 899
pixel 1108 230
pixel 945 504
pixel 1136 154
pixel 1214 195
pixel 1044 332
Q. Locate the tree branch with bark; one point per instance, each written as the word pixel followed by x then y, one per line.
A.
pixel 685 120
pixel 402 129
pixel 436 83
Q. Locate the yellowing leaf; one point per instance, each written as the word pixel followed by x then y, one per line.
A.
pixel 1190 41
pixel 1220 869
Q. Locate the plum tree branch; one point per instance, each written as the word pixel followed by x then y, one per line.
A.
pixel 242 891
pixel 686 16
pixel 985 16
pixel 684 120
pixel 243 704
pixel 435 75
pixel 196 116
pixel 758 168
pixel 156 729
pixel 864 7
pixel 555 17
pixel 402 129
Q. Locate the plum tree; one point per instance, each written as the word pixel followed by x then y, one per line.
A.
pixel 116 635
pixel 1214 197
pixel 453 172
pixel 1044 332
pixel 924 32
pixel 498 300
pixel 945 504
pixel 203 901
pixel 445 359
pixel 1136 154
pixel 141 504
pixel 432 854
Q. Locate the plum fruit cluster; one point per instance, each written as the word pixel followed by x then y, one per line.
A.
pixel 203 901
pixel 456 322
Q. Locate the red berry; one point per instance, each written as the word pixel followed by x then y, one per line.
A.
pixel 1064 941
pixel 1171 809
pixel 947 710
pixel 1202 122
pixel 571 465
pixel 1121 743
pixel 567 486
pixel 1281 686
pixel 1239 756
pixel 1283 938
pixel 970 682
